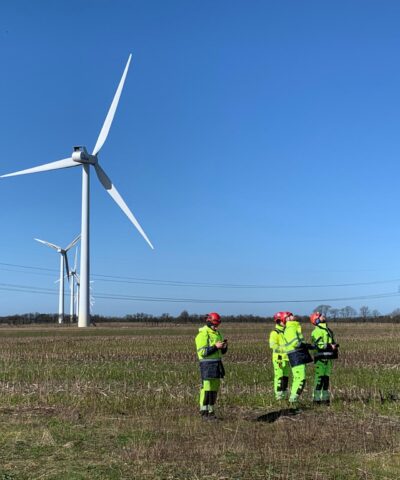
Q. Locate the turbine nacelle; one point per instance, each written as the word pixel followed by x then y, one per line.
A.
pixel 81 155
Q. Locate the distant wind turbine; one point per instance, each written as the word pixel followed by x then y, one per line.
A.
pixel 63 265
pixel 80 156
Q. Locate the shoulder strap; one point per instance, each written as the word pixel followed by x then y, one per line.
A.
pixel 331 334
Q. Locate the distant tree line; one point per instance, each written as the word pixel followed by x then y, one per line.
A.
pixel 351 313
pixel 345 314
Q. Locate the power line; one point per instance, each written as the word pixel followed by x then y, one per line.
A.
pixel 178 283
pixel 28 267
pixel 249 302
pixel 106 296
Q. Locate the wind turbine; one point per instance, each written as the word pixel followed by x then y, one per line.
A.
pixel 63 265
pixel 73 274
pixel 80 156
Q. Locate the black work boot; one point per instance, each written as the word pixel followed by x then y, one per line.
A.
pixel 212 416
pixel 204 414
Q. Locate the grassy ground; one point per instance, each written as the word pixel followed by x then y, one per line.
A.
pixel 121 403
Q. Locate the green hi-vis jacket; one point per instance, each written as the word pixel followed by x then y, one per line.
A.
pixel 322 336
pixel 277 344
pixel 292 336
pixel 205 344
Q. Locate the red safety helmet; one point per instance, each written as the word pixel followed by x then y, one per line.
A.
pixel 213 318
pixel 316 318
pixel 281 317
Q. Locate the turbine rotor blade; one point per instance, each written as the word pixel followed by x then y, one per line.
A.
pixel 48 244
pixel 108 185
pixel 76 257
pixel 65 163
pixel 111 112
pixel 74 241
pixel 66 264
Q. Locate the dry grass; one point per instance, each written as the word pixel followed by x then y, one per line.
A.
pixel 121 403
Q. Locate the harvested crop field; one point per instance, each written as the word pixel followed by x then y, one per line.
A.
pixel 120 402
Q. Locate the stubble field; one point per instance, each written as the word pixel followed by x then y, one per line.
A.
pixel 121 403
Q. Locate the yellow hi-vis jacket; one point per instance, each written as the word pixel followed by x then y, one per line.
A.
pixel 205 343
pixel 277 344
pixel 293 336
pixel 295 346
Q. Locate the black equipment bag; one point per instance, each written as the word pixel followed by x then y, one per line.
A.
pixel 327 354
pixel 300 356
pixel 211 369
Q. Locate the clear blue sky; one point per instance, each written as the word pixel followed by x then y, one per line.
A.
pixel 256 142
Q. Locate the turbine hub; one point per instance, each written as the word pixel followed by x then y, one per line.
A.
pixel 81 155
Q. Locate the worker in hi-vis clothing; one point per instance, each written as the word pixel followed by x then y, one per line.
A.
pixel 210 346
pixel 298 354
pixel 280 360
pixel 325 351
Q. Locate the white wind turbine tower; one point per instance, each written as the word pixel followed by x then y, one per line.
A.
pixel 75 280
pixel 78 284
pixel 80 156
pixel 63 265
pixel 74 294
